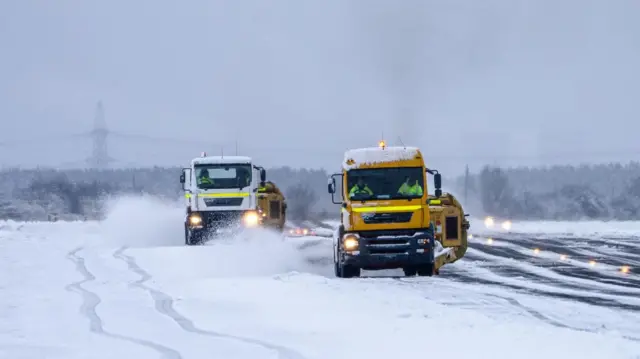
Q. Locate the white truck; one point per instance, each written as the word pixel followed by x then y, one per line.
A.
pixel 224 194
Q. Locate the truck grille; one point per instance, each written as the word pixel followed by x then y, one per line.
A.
pixel 393 217
pixel 223 202
pixel 388 241
pixel 221 218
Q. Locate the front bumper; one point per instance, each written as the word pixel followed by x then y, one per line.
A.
pixel 213 221
pixel 390 249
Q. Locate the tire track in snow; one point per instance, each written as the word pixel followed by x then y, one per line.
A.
pixel 90 302
pixel 460 276
pixel 510 262
pixel 562 274
pixel 515 303
pixel 164 304
pixel 412 283
pixel 538 315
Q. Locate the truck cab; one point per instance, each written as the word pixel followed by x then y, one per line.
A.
pixel 224 194
pixel 385 216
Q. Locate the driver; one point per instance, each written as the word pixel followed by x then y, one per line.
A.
pixel 360 188
pixel 243 177
pixel 204 177
pixel 410 189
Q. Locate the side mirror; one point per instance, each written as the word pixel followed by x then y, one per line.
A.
pixel 331 186
pixel 437 180
pixel 263 175
pixel 183 178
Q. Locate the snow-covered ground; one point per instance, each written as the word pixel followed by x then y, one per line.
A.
pixel 128 288
pixel 583 228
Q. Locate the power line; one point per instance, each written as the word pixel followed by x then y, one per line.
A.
pixel 101 135
pixel 100 158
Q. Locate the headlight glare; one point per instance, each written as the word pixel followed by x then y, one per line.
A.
pixel 250 219
pixel 195 219
pixel 350 242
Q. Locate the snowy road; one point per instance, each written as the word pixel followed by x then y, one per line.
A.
pixel 127 288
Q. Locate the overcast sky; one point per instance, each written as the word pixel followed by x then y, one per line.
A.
pixel 299 81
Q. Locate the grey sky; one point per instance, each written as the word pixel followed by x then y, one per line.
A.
pixel 299 81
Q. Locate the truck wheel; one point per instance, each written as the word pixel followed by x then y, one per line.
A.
pixel 409 271
pixel 426 270
pixel 350 271
pixel 187 240
pixel 344 271
pixel 190 239
pixel 336 270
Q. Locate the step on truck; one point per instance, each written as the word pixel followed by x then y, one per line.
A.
pixel 388 220
pixel 226 194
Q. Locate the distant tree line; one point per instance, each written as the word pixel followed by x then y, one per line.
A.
pixel 610 191
pixel 38 194
pixel 607 191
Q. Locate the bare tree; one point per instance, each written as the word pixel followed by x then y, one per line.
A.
pixel 301 199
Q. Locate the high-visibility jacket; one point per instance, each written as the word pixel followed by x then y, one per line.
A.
pixel 414 189
pixel 358 190
pixel 205 180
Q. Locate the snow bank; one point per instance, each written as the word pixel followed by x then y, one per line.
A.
pixel 375 155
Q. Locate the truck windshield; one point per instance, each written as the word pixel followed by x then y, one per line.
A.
pixel 223 176
pixel 385 183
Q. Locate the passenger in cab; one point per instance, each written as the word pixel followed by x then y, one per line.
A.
pixel 408 189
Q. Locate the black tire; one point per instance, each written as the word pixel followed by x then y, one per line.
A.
pixel 187 239
pixel 191 239
pixel 345 271
pixel 410 271
pixel 350 271
pixel 426 270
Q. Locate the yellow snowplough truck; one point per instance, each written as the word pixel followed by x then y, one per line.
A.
pixel 272 206
pixel 388 220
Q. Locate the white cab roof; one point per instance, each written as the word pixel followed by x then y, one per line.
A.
pixel 221 160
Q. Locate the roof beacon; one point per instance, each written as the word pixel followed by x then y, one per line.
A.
pixel 203 154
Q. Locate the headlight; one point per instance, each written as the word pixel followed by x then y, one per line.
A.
pixel 488 222
pixel 506 225
pixel 250 219
pixel 195 219
pixel 350 242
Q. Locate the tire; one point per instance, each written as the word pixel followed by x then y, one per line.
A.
pixel 336 270
pixel 427 270
pixel 190 239
pixel 344 271
pixel 187 239
pixel 349 271
pixel 410 271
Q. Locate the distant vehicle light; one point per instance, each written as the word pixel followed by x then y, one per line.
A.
pixel 489 222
